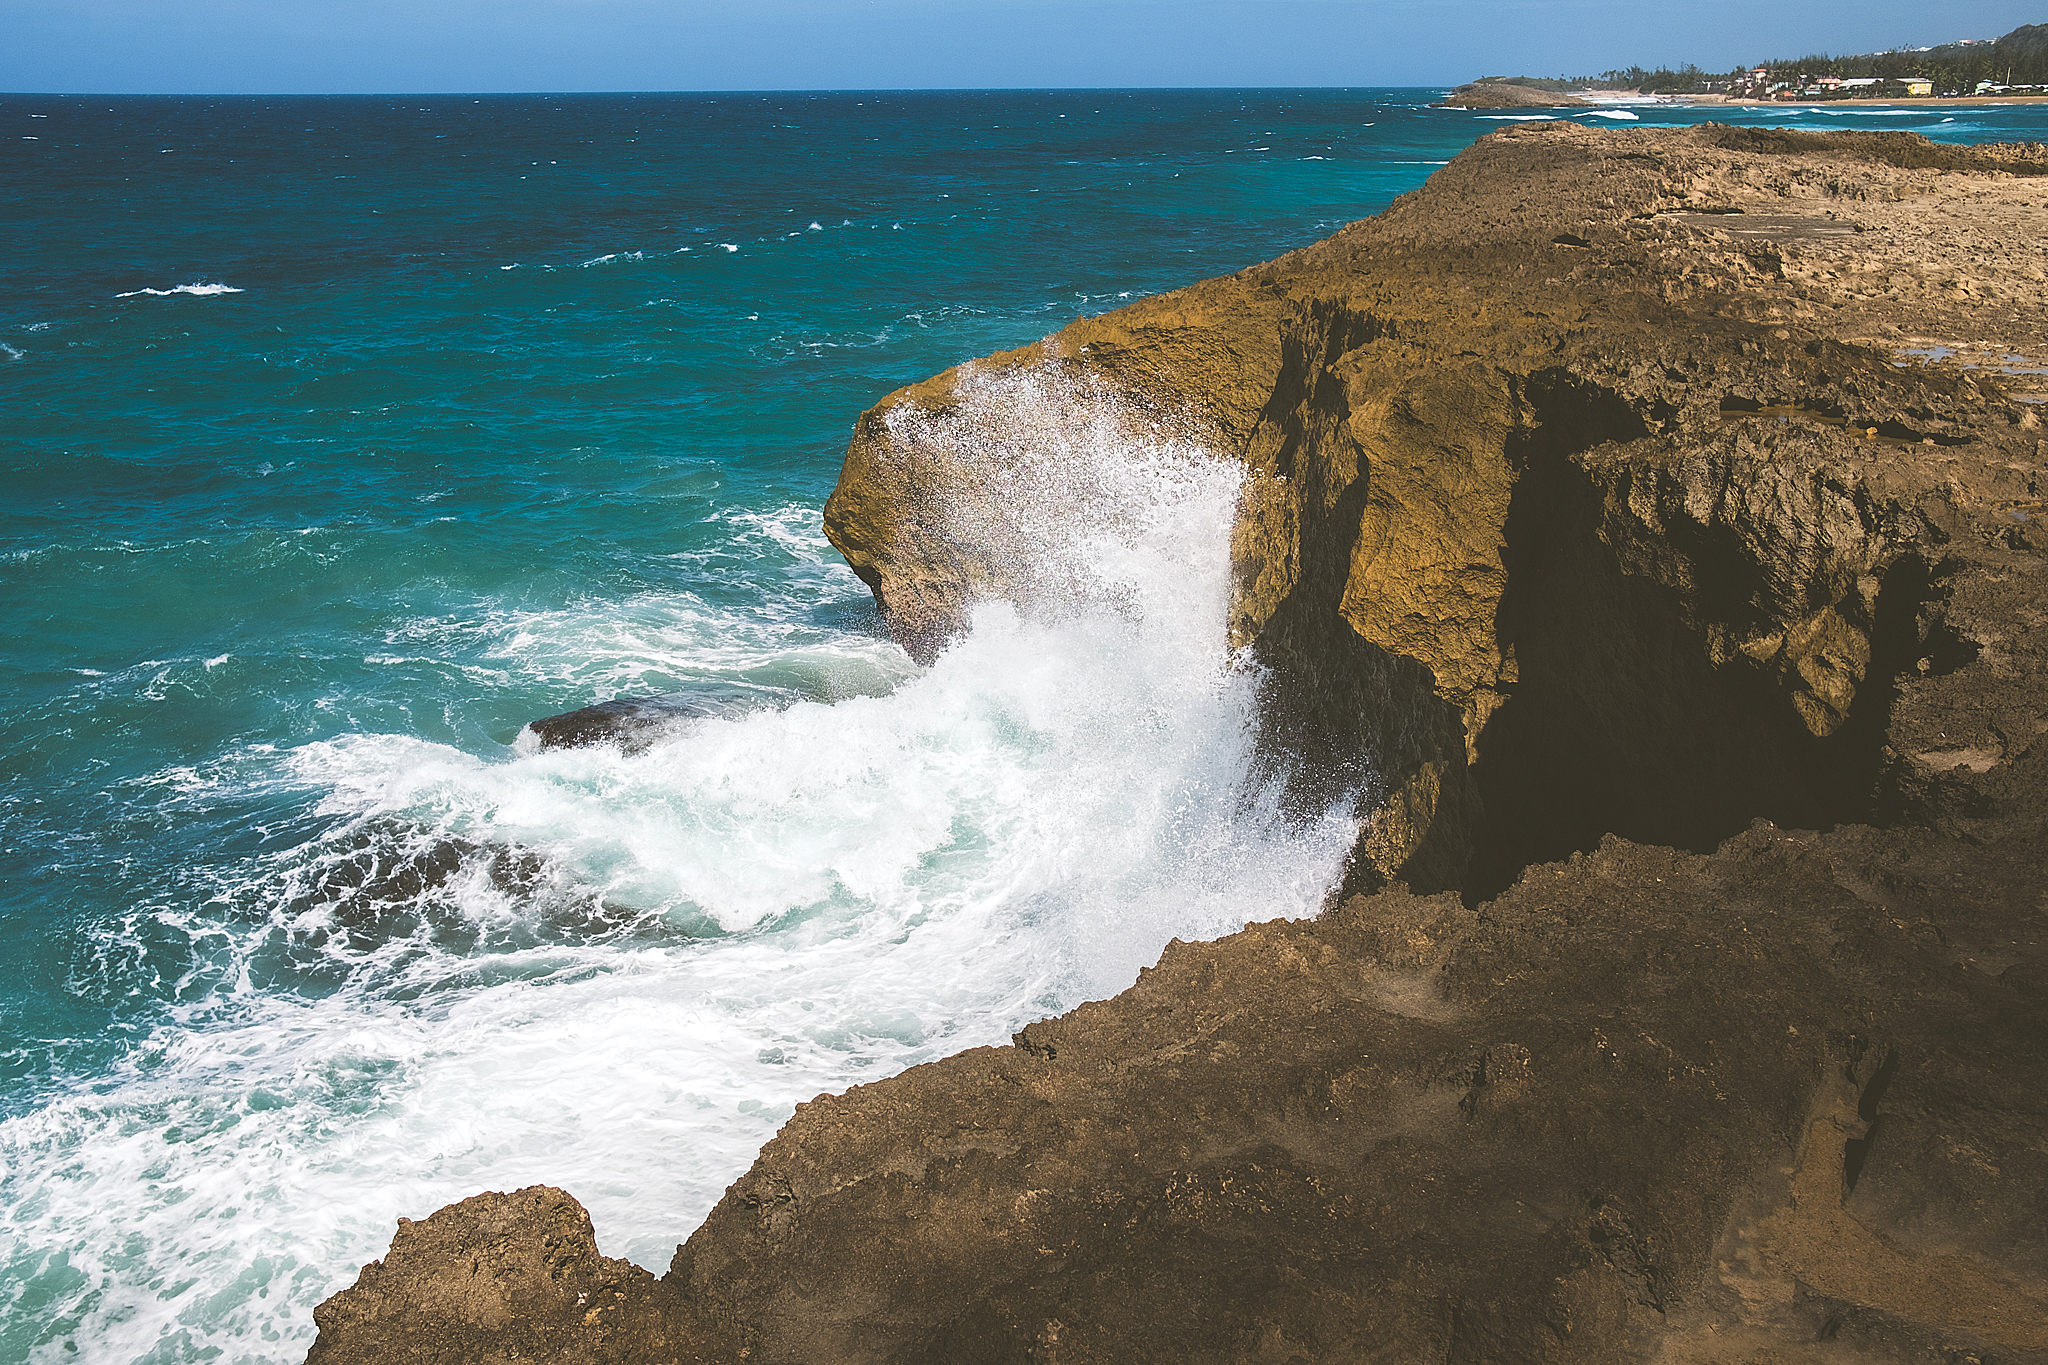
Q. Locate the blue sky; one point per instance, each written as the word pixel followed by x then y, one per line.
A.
pixel 327 46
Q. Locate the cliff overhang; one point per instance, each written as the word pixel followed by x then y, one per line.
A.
pixel 1553 520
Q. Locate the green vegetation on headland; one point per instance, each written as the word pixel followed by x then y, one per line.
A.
pixel 2016 63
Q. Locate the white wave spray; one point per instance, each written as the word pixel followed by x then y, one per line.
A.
pixel 197 289
pixel 620 973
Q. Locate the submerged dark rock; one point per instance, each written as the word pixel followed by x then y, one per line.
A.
pixel 637 723
pixel 381 881
pixel 1599 533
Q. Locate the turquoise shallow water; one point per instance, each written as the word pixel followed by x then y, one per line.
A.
pixel 502 355
pixel 344 436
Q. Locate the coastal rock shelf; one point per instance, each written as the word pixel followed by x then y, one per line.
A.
pixel 1622 501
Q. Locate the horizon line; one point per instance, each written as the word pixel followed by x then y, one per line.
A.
pixel 706 90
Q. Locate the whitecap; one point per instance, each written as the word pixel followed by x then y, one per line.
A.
pixel 12 352
pixel 729 246
pixel 1629 115
pixel 195 289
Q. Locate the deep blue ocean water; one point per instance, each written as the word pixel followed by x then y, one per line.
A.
pixel 343 436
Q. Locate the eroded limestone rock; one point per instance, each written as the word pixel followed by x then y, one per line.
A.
pixel 509 1277
pixel 1539 450
pixel 1583 508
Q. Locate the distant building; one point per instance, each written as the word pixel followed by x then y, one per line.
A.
pixel 1916 88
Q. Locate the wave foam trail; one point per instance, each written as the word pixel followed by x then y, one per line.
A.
pixel 620 972
pixel 196 289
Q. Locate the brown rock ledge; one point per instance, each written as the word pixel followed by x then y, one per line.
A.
pixel 1783 1103
pixel 1575 513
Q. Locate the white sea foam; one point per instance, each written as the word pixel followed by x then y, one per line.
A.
pixel 1626 114
pixel 196 289
pixel 12 353
pixel 619 973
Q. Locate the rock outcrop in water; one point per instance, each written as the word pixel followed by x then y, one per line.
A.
pixel 1621 501
pixel 1508 95
pixel 637 723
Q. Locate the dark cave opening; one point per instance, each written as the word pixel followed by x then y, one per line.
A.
pixel 1620 721
pixel 1620 714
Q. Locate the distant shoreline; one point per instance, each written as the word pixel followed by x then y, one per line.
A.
pixel 1712 101
pixel 1507 95
pixel 1920 100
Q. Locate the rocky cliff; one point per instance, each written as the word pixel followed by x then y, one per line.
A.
pixel 1632 505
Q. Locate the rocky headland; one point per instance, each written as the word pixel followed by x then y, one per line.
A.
pixel 1508 95
pixel 1659 515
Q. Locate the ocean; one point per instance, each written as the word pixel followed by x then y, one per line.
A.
pixel 345 436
